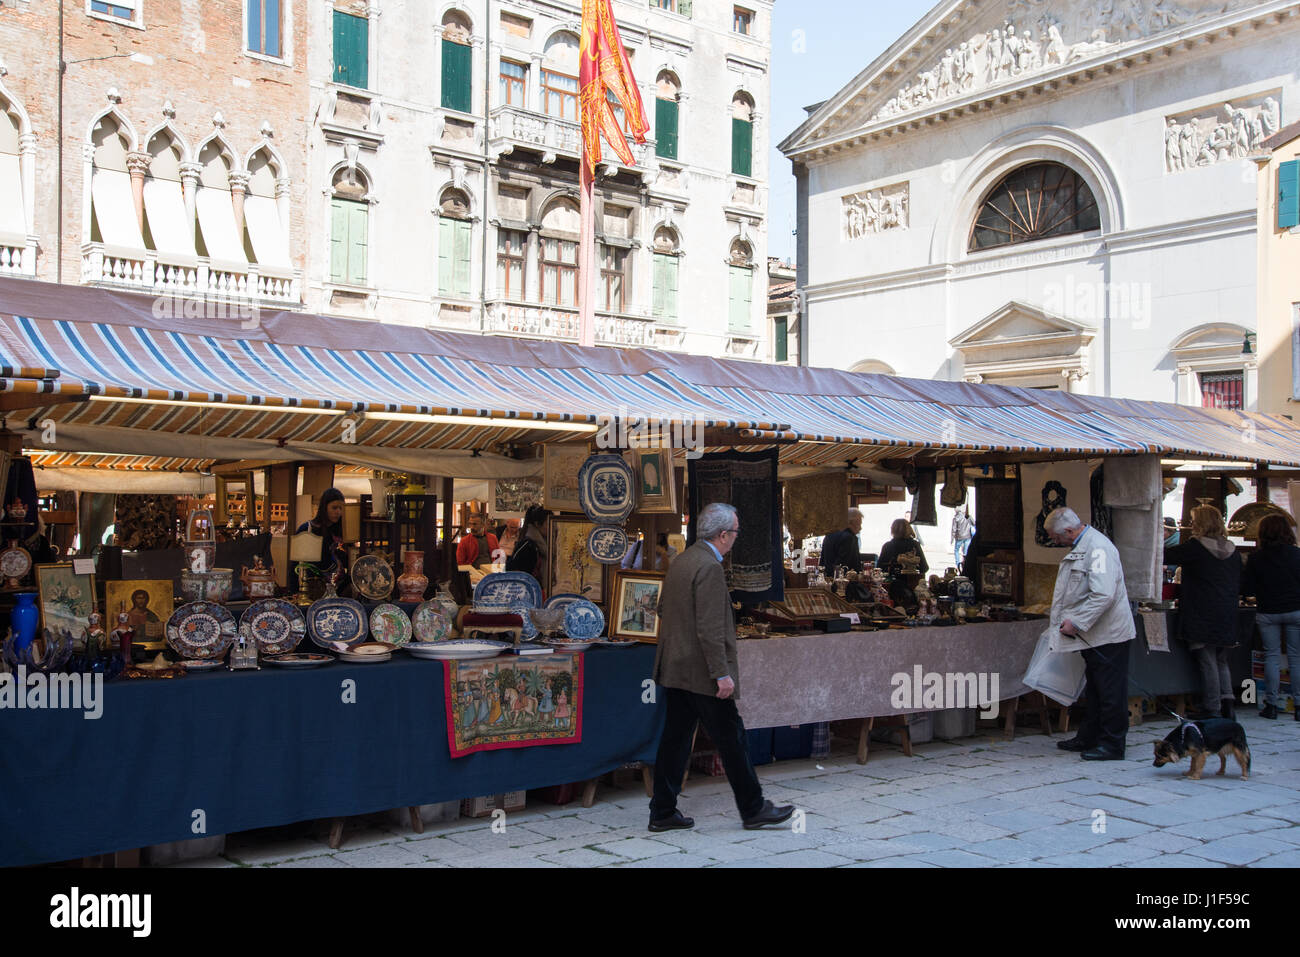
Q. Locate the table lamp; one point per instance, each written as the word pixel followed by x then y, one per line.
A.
pixel 305 549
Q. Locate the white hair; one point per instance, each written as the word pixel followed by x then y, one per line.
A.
pixel 854 513
pixel 715 518
pixel 1061 519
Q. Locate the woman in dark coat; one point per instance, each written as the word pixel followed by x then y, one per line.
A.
pixel 1273 577
pixel 902 541
pixel 328 524
pixel 1207 605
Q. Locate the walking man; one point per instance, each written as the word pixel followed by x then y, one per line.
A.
pixel 1091 614
pixel 963 529
pixel 697 667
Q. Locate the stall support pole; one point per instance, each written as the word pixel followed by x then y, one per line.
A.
pixel 1261 483
pixel 448 515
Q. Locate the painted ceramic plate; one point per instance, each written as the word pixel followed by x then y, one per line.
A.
pixel 429 622
pixel 607 544
pixel 373 577
pixel 305 660
pixel 201 664
pixel 529 631
pixel 563 645
pixel 389 623
pixel 507 589
pixel 617 642
pixel 459 649
pixel 336 619
pixel 365 659
pixel 605 488
pixel 275 624
pixel 562 600
pixel 15 561
pixel 583 620
pixel 201 629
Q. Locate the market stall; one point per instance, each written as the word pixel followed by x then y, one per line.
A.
pixel 617 445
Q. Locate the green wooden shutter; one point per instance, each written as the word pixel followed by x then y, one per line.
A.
pixel 780 333
pixel 665 287
pixel 446 255
pixel 338 240
pixel 1288 194
pixel 742 147
pixel 461 266
pixel 684 7
pixel 351 49
pixel 741 296
pixel 457 71
pixel 358 214
pixel 666 128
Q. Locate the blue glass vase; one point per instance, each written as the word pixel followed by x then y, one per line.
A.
pixel 24 620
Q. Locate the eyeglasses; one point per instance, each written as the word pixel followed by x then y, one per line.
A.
pixel 731 531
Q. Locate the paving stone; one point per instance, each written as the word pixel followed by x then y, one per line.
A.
pixel 1174 860
pixel 490 842
pixel 277 851
pixel 1165 841
pixel 384 855
pixel 1213 830
pixel 956 858
pixel 565 827
pixel 635 848
pixel 908 862
pixel 1019 820
pixel 1004 849
pixel 1240 849
pixel 1285 859
pixel 1062 838
pixel 1120 852
pixel 671 860
pixel 872 850
pixel 972 831
pixel 322 861
pixel 582 857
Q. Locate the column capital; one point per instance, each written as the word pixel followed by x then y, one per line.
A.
pixel 190 171
pixel 238 182
pixel 137 163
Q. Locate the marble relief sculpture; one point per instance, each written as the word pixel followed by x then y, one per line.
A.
pixel 875 211
pixel 1219 134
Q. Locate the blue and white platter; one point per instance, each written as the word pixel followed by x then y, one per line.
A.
pixel 606 488
pixel 462 649
pixel 530 630
pixel 583 620
pixel 276 625
pixel 201 629
pixel 607 544
pixel 562 599
pixel 333 620
pixel 505 590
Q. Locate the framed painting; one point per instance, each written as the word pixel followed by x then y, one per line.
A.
pixel 634 611
pixel 997 513
pixel 656 485
pixel 560 466
pixel 66 599
pixel 574 570
pixel 997 579
pixel 148 603
pixel 514 496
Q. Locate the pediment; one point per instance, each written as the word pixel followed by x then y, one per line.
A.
pixel 1020 322
pixel 964 47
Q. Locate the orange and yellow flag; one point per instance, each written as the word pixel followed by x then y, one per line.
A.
pixel 604 69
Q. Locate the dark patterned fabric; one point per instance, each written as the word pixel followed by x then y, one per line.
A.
pixel 746 480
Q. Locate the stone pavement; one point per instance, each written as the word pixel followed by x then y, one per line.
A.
pixel 975 802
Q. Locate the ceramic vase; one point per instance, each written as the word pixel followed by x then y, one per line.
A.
pixel 412 582
pixel 24 620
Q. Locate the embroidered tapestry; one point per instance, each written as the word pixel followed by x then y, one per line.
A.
pixel 747 481
pixel 513 702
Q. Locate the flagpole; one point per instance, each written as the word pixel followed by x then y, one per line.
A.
pixel 586 254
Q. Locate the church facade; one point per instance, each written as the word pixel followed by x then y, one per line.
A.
pixel 1049 194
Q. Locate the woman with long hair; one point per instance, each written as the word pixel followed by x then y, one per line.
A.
pixel 1273 577
pixel 1207 605
pixel 328 524
pixel 530 554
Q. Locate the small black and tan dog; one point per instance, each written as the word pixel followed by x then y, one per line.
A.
pixel 1201 739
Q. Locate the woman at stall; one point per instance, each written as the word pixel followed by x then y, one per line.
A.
pixel 902 541
pixel 1207 605
pixel 1273 577
pixel 530 554
pixel 328 524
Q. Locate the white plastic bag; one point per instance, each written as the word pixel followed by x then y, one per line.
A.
pixel 1057 674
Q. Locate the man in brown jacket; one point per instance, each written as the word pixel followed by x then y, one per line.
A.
pixel 697 667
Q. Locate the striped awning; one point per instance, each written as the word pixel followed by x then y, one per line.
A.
pixel 104 362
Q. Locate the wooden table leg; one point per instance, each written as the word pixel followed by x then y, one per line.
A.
pixel 1009 726
pixel 1065 718
pixel 417 822
pixel 336 833
pixel 907 738
pixel 589 792
pixel 864 739
pixel 648 780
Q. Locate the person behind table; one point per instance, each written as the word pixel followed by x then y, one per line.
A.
pixel 1091 614
pixel 476 546
pixel 530 554
pixel 696 664
pixel 902 541
pixel 1273 577
pixel 841 547
pixel 963 530
pixel 328 524
pixel 1207 607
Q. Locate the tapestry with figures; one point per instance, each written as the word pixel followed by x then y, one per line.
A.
pixel 513 702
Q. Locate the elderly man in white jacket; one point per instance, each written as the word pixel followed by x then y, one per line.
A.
pixel 1091 614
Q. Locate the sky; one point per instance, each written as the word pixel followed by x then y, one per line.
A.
pixel 817 47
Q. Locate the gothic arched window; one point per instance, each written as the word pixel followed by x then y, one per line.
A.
pixel 1034 202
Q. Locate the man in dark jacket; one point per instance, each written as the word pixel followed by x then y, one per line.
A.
pixel 841 548
pixel 697 666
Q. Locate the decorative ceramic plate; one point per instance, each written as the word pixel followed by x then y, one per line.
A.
pixel 389 623
pixel 201 629
pixel 583 620
pixel 562 600
pixel 605 488
pixel 15 561
pixel 607 544
pixel 336 619
pixel 617 642
pixel 562 645
pixel 507 589
pixel 459 648
pixel 529 629
pixel 430 622
pixel 371 649
pixel 365 659
pixel 373 577
pixel 275 624
pixel 305 660
pixel 201 664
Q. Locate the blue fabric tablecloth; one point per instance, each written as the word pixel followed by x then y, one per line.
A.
pixel 262 748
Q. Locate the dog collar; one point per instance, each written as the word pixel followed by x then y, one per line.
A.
pixel 1186 725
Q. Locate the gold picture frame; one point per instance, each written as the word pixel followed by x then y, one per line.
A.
pixel 656 482
pixel 150 620
pixel 573 569
pixel 66 599
pixel 560 464
pixel 634 608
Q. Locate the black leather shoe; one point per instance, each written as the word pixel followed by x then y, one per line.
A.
pixel 677 822
pixel 1074 744
pixel 769 815
pixel 1268 711
pixel 1102 754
